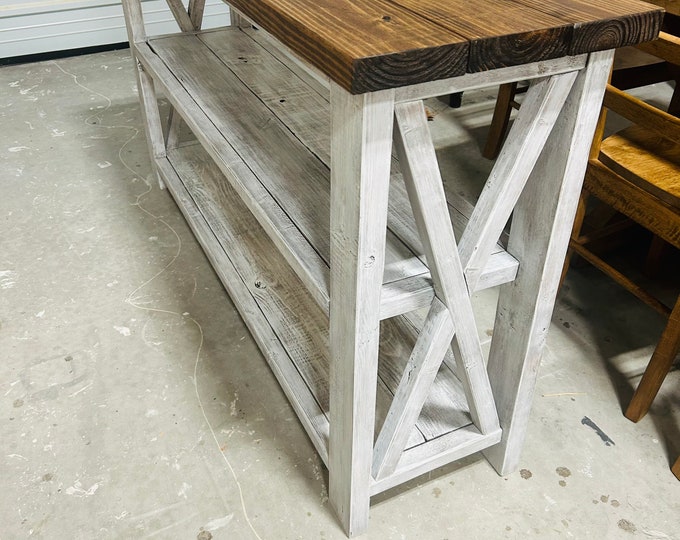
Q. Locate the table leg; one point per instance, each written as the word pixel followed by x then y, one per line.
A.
pixel 361 144
pixel 541 225
pixel 151 118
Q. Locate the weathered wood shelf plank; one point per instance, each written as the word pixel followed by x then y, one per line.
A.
pixel 417 378
pixel 306 113
pixel 296 389
pixel 313 271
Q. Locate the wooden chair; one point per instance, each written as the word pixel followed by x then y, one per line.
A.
pixel 676 468
pixel 637 173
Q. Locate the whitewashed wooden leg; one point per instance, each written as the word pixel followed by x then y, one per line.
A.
pixel 149 103
pixel 150 113
pixel 361 144
pixel 540 231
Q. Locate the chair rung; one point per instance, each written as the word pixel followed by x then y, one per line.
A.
pixel 632 287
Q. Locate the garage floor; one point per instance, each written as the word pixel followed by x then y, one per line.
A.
pixel 135 404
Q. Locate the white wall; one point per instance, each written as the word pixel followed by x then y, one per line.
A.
pixel 38 26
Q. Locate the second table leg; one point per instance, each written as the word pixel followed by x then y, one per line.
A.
pixel 539 235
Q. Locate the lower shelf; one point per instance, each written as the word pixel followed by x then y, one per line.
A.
pixel 292 330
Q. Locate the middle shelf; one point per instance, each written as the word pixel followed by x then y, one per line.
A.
pixel 268 131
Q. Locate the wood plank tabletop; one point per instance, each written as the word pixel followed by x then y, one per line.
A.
pixel 369 45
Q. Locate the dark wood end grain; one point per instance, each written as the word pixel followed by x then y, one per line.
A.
pixel 410 67
pixel 615 33
pixel 513 50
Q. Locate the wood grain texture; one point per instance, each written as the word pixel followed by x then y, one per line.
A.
pixel 361 144
pixel 366 46
pixel 671 6
pixel 295 326
pixel 601 26
pixel 369 45
pixel 296 179
pixel 637 172
pixel 646 159
pixel 153 127
pixel 629 199
pixel 501 33
pixel 269 214
pixel 445 408
pixel 195 10
pixel 363 45
pixel 667 46
pixel 181 15
pixel 250 257
pixel 484 79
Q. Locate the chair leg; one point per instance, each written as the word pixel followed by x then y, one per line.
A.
pixel 654 256
pixel 456 100
pixel 659 366
pixel 676 468
pixel 575 232
pixel 500 120
pixel 674 105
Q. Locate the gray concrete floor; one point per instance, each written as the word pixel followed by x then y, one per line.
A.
pixel 135 404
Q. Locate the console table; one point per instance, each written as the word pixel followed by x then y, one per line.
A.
pixel 315 192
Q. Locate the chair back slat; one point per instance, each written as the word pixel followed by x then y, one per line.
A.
pixel 641 113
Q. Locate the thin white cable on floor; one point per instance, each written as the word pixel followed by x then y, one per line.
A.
pixel 131 297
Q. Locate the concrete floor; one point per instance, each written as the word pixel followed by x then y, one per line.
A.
pixel 135 404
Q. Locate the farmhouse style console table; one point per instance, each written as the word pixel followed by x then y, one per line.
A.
pixel 314 189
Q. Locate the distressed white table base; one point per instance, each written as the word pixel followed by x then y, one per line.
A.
pixel 312 270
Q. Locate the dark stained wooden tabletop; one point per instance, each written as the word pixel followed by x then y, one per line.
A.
pixel 369 45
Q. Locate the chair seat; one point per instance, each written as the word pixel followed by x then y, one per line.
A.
pixel 647 160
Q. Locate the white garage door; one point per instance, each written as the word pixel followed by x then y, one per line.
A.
pixel 40 26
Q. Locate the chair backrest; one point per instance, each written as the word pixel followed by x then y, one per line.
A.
pixel 644 158
pixel 666 47
pixel 642 114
